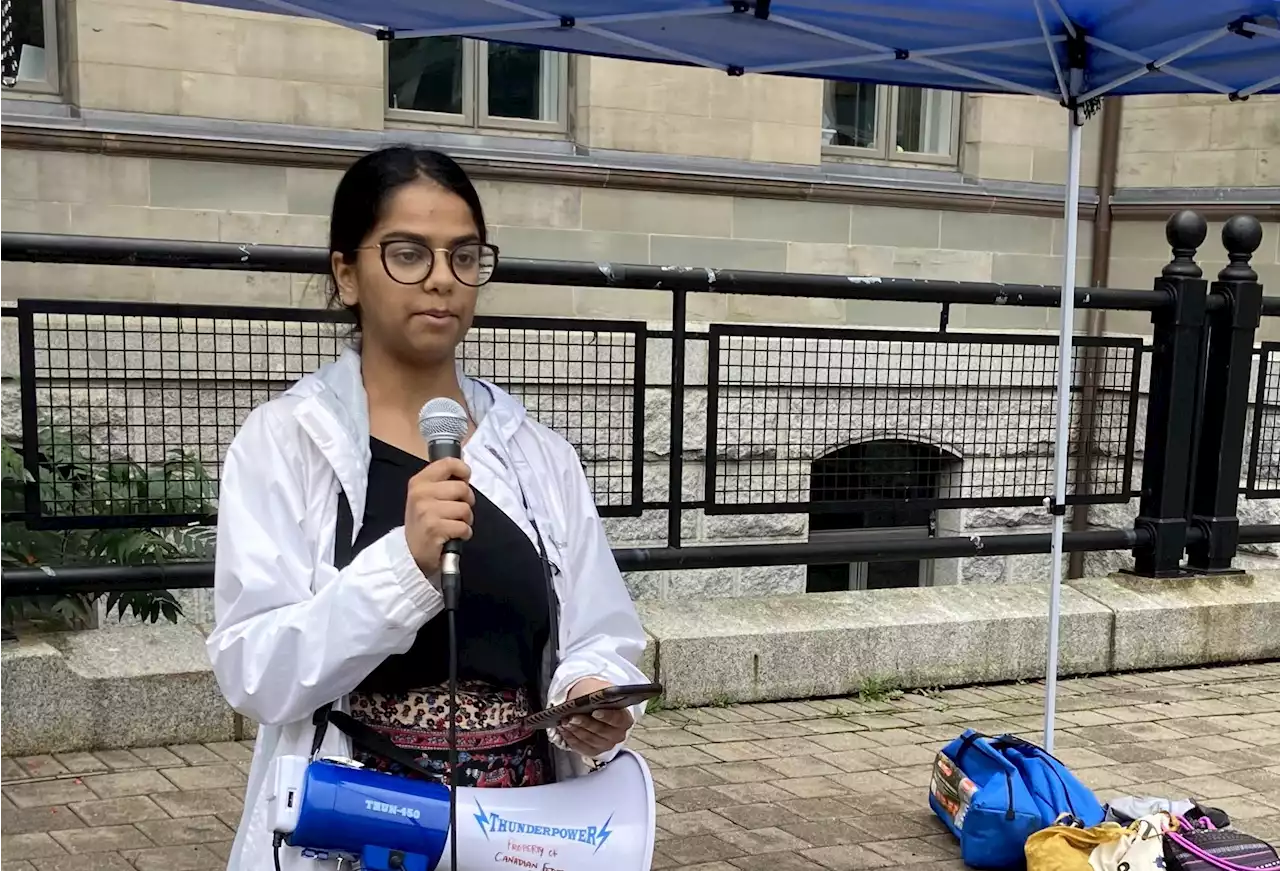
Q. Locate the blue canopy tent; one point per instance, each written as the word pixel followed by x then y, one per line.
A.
pixel 1070 51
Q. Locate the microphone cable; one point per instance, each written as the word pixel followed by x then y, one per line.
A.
pixel 452 617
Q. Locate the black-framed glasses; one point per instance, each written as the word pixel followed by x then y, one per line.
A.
pixel 408 262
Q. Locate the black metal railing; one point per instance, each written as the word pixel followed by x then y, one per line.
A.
pixel 782 419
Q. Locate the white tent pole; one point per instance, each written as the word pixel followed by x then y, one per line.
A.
pixel 1062 424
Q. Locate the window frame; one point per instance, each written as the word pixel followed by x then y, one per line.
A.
pixel 886 117
pixel 475 95
pixel 858 570
pixel 51 84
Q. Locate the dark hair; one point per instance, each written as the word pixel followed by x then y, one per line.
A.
pixel 370 182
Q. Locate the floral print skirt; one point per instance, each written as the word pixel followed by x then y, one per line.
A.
pixel 494 748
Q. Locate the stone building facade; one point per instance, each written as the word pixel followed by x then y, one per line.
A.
pixel 152 118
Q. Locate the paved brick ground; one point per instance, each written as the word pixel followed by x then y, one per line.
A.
pixel 836 785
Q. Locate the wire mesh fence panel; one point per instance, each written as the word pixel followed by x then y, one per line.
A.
pixel 128 409
pixel 1263 477
pixel 827 420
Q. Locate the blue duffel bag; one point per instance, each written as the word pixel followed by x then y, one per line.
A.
pixel 994 793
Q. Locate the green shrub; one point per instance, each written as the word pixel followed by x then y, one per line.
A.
pixel 179 485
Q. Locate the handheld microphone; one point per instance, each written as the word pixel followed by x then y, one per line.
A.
pixel 443 424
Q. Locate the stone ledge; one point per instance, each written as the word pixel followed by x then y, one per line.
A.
pixel 131 686
pixel 143 686
pixel 789 647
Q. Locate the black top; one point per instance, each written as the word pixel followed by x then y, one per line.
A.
pixel 503 612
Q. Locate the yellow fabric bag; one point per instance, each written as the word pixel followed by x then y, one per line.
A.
pixel 1067 848
pixel 1101 848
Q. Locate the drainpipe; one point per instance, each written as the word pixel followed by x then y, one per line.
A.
pixel 1095 319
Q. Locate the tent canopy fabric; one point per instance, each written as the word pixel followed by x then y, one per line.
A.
pixel 1228 47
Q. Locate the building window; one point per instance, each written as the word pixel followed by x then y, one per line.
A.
pixel 890 123
pixel 450 80
pixel 31 54
pixel 890 478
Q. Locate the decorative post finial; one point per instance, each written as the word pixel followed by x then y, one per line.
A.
pixel 1241 236
pixel 1185 231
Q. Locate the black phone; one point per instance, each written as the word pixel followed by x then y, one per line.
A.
pixel 607 699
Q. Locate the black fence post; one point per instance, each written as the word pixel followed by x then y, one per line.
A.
pixel 1175 388
pixel 1226 400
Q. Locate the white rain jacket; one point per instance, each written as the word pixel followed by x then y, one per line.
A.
pixel 293 633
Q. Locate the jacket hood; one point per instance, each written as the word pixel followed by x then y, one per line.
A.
pixel 333 408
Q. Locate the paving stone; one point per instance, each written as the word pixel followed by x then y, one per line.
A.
pixel 195 754
pixel 908 851
pixel 704 822
pixel 125 783
pixel 20 821
pixel 755 842
pixel 222 776
pixel 829 727
pixel 674 757
pixel 741 772
pixel 189 858
pixel 48 792
pixel 737 751
pixel 189 830
pixel 913 754
pixel 782 729
pixel 10 770
pixel 221 849
pixel 200 802
pixel 684 777
pixel 888 827
pixel 232 751
pixel 868 781
pixel 759 816
pixel 721 732
pixel 119 760
pixel 101 839
pixel 84 862
pixel 799 766
pixel 158 757
pixel 695 799
pixel 118 811
pixel 814 809
pixel 828 833
pixel 32 845
pixel 777 862
pixel 700 848
pixel 840 742
pixel 17 865
pixel 40 766
pixel 1242 807
pixel 854 760
pixel 811 787
pixel 752 793
pixel 81 763
pixel 846 857
pixel 915 775
pixel 669 736
pixel 1209 787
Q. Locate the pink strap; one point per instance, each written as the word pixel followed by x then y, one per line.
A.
pixel 1204 855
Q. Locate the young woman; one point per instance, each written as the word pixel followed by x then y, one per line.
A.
pixel 331 524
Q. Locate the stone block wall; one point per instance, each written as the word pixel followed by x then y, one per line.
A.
pixel 1190 140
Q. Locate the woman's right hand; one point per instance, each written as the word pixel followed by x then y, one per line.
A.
pixel 437 509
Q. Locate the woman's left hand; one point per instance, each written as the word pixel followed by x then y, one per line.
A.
pixel 598 732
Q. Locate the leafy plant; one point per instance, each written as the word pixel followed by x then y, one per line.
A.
pixel 70 477
pixel 876 689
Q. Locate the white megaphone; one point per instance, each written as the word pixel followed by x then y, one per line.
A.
pixel 330 808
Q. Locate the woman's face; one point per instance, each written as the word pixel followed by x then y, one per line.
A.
pixel 419 323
